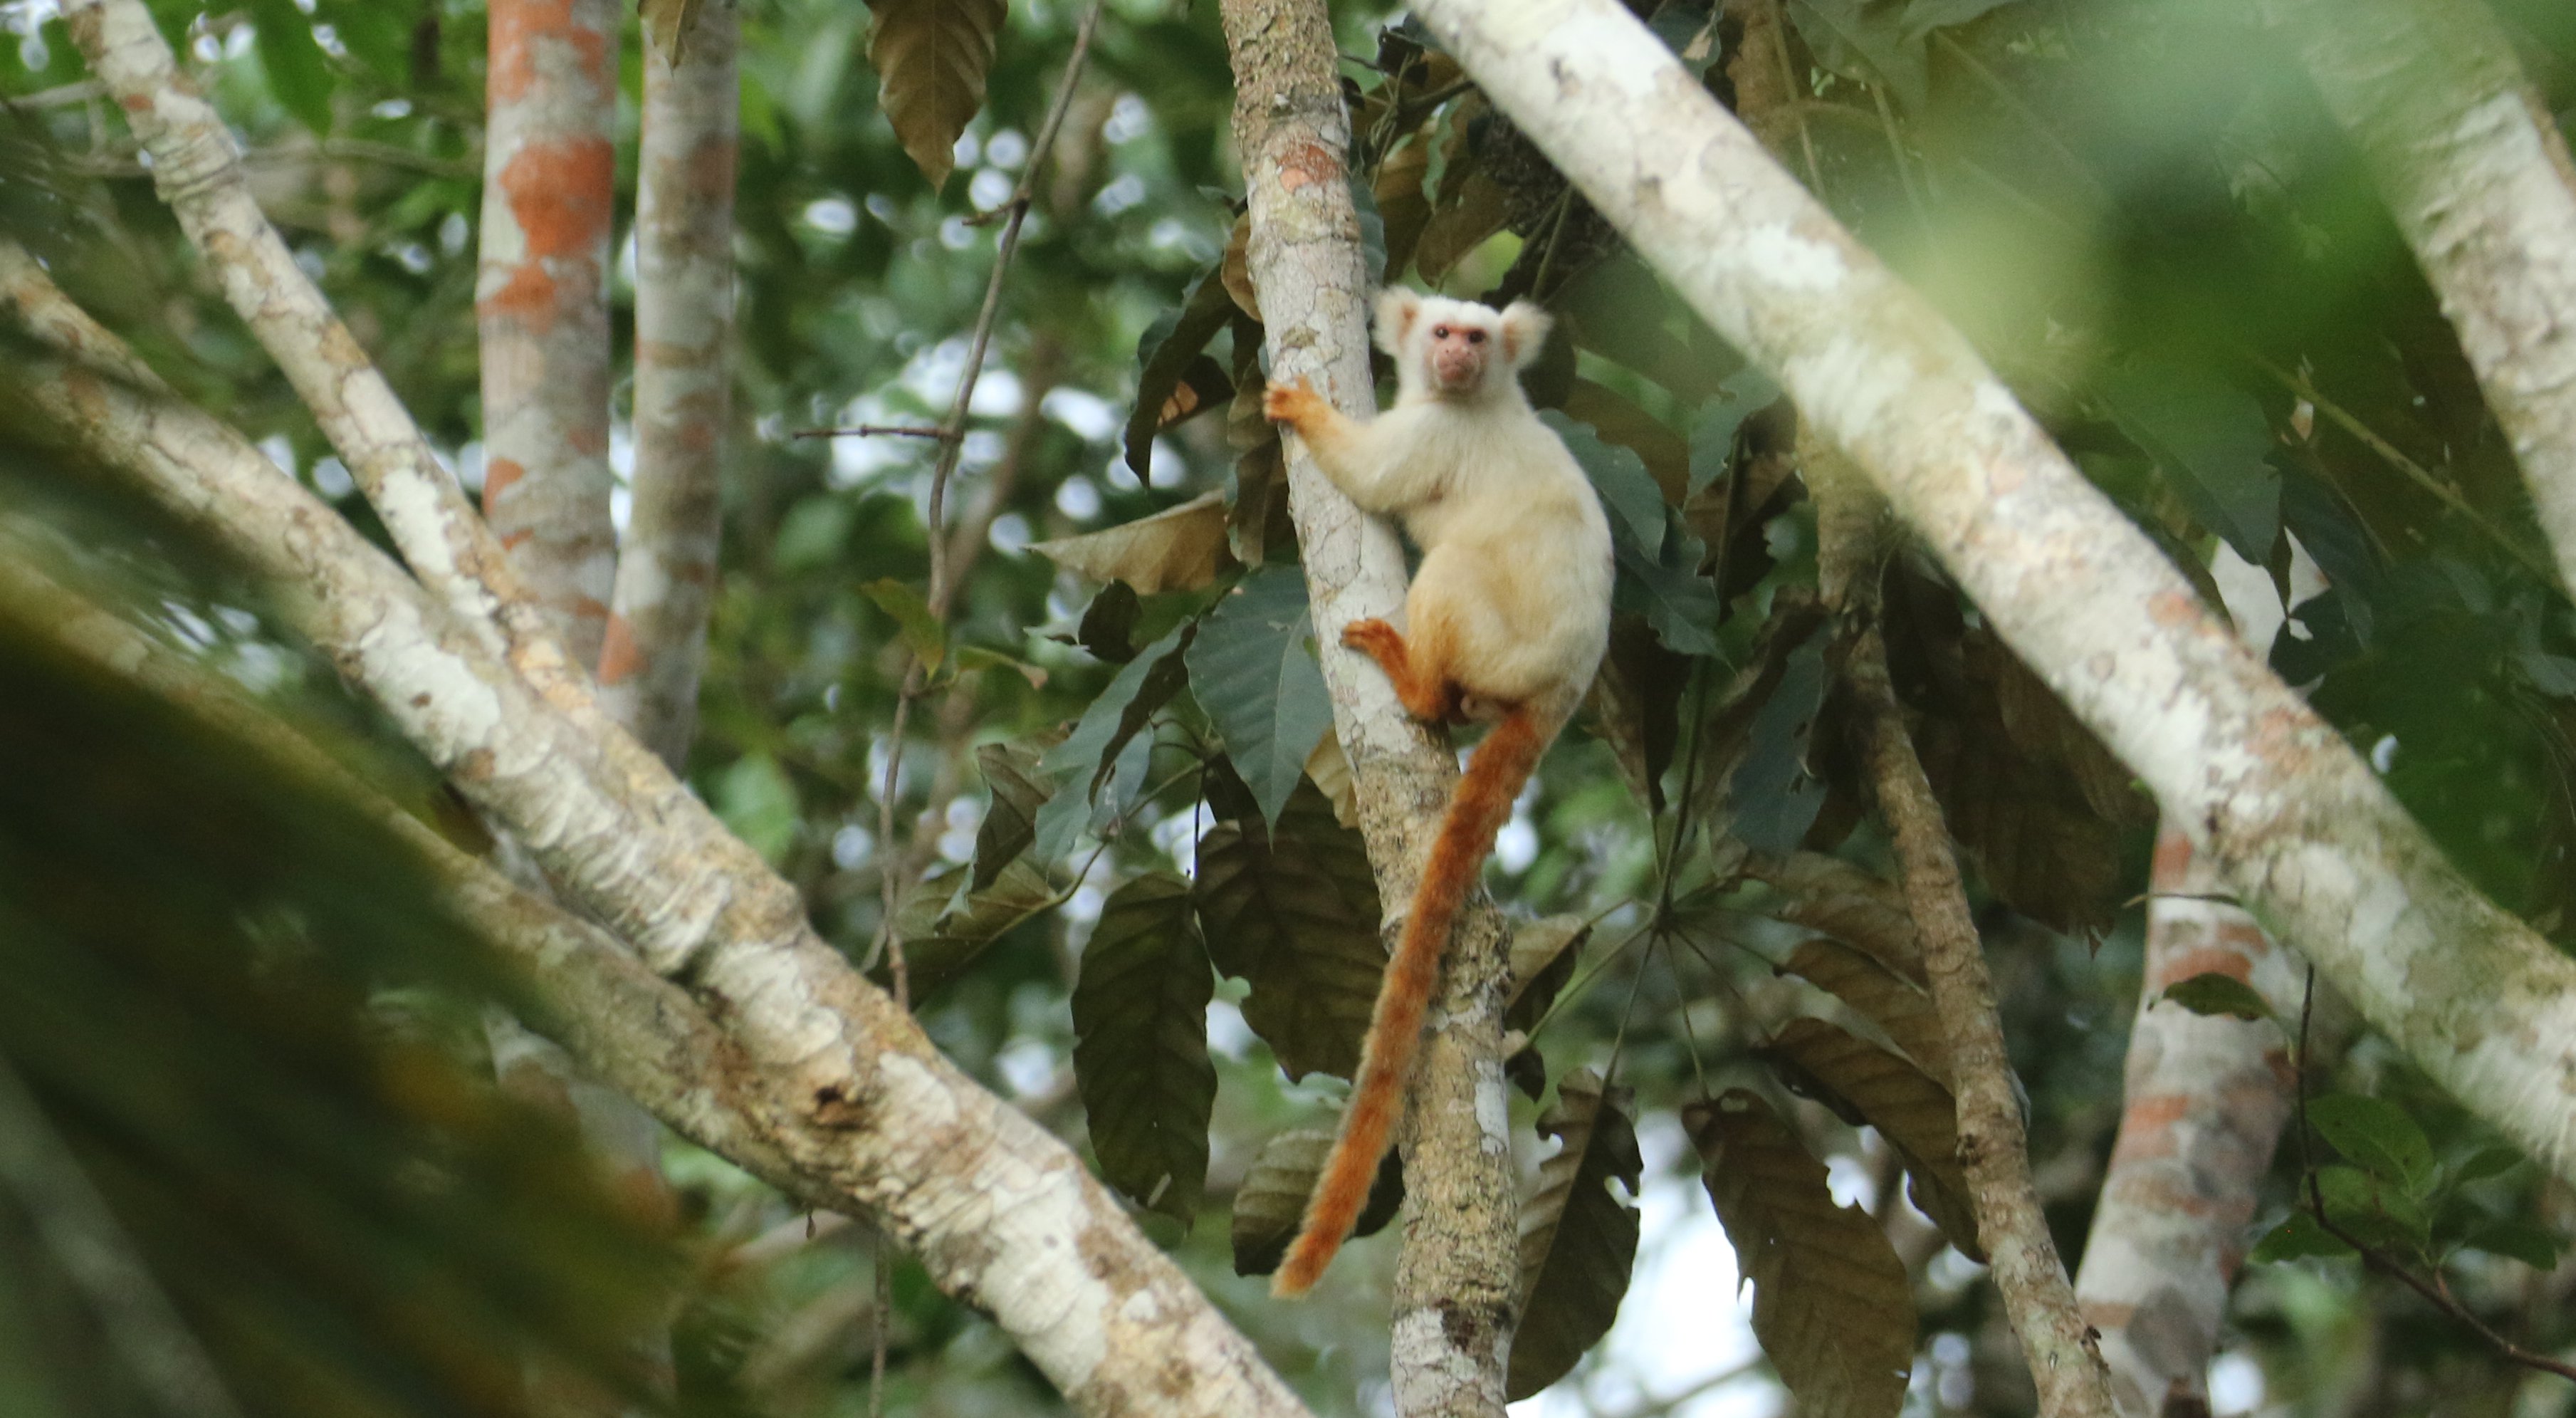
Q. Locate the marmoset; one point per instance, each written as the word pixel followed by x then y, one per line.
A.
pixel 1505 623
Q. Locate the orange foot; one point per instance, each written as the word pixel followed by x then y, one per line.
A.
pixel 1295 405
pixel 1424 699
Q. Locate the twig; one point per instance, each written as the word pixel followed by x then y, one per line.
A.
pixel 878 430
pixel 2415 472
pixel 952 440
pixel 2435 1291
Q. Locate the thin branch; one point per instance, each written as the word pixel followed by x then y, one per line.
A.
pixel 881 430
pixel 2435 1291
pixel 952 443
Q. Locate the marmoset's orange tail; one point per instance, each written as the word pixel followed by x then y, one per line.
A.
pixel 1477 811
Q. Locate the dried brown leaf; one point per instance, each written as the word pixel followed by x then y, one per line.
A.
pixel 1177 549
pixel 932 58
pixel 1830 1302
pixel 1864 1083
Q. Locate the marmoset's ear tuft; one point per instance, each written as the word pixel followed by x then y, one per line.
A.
pixel 1397 309
pixel 1525 328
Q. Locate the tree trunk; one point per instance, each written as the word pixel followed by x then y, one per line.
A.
pixel 1454 1285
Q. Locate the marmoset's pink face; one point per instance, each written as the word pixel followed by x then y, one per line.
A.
pixel 1459 349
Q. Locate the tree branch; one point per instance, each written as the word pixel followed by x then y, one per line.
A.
pixel 2307 833
pixel 849 1092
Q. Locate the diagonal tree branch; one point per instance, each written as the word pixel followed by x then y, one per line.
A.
pixel 2310 837
pixel 851 1094
pixel 196 166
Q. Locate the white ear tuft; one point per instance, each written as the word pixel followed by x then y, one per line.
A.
pixel 1525 328
pixel 1397 309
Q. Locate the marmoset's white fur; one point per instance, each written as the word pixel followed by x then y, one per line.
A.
pixel 1506 621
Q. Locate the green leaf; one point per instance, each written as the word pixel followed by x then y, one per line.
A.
pixel 1142 686
pixel 2373 1208
pixel 2211 994
pixel 2296 1238
pixel 2534 1246
pixel 1628 491
pixel 1772 796
pixel 943 935
pixel 1272 1200
pixel 1712 434
pixel 1010 825
pixel 1868 43
pixel 1830 1300
pixel 1294 910
pixel 299 73
pixel 1372 231
pixel 812 533
pixel 1924 16
pixel 1108 627
pixel 1251 670
pixel 2211 442
pixel 921 630
pixel 1140 1045
pixel 2378 1136
pixel 1163 356
pixel 1578 1245
pixel 756 801
pixel 2486 1162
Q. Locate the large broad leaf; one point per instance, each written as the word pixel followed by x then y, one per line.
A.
pixel 2210 440
pixel 1402 205
pixel 1294 910
pixel 942 937
pixel 1665 455
pixel 1830 1302
pixel 1887 999
pixel 1636 705
pixel 1010 825
pixel 1140 1045
pixel 1177 549
pixel 1864 1083
pixel 2377 1136
pixel 1164 396
pixel 1543 956
pixel 1772 795
pixel 1851 905
pixel 1251 670
pixel 1658 569
pixel 1578 1243
pixel 1093 750
pixel 1272 1200
pixel 1472 208
pixel 299 73
pixel 931 58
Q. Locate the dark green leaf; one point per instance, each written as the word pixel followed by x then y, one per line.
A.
pixel 2211 442
pixel 2298 1237
pixel 1924 16
pixel 1140 1045
pixel 2211 993
pixel 1272 1200
pixel 1868 43
pixel 1010 825
pixel 2378 1136
pixel 1712 435
pixel 2486 1162
pixel 2375 1209
pixel 1578 1244
pixel 298 71
pixel 1163 356
pixel 2534 1246
pixel 943 936
pixel 1628 491
pixel 1773 798
pixel 1294 910
pixel 1109 624
pixel 1252 670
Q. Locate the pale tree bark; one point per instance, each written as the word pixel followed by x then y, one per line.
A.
pixel 847 1091
pixel 2478 176
pixel 2291 815
pixel 541 303
pixel 629 1025
pixel 2203 1104
pixel 1454 1283
pixel 684 278
pixel 196 167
